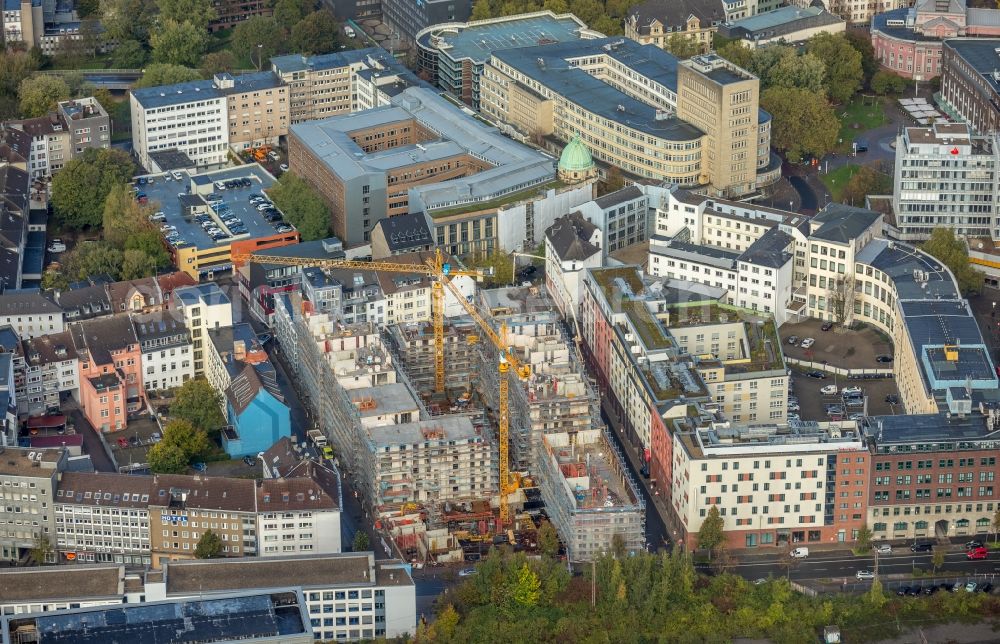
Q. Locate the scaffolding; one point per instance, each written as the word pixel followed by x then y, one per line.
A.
pixel 590 495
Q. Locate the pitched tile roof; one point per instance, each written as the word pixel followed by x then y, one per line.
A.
pixel 570 237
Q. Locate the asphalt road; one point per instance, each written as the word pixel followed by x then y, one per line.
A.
pixel 807 195
pixel 838 567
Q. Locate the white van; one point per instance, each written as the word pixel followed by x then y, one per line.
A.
pixel 800 553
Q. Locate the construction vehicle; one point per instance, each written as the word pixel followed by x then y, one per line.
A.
pixel 317 437
pixel 440 272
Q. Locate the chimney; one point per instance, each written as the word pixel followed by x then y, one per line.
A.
pixel 239 350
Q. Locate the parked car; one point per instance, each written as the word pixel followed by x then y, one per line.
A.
pixel 466 572
pixel 158 216
pixel 818 375
pixel 883 359
pixel 851 391
pixel 883 549
pixel 922 546
pixel 863 575
pixel 977 553
pixel 793 417
pixel 957 586
pixel 975 543
pixel 220 185
pixel 828 390
pixel 793 339
pixel 808 342
pixel 199 467
pixel 56 246
pixel 930 590
pixel 986 588
pixel 250 460
pixel 794 407
pixel 892 399
pixel 826 326
pixel 799 553
pixel 283 167
pixel 274 156
pixel 902 591
pixel 971 587
pixel 177 175
pixel 855 416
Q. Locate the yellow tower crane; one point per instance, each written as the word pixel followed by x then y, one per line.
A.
pixel 440 272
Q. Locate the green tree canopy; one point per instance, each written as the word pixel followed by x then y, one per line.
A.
pixel 682 46
pixel 360 543
pixel 209 546
pixel 866 181
pixel 219 61
pixel 39 94
pixel 302 206
pixel 126 225
pixel 548 539
pixel 182 442
pixel 862 42
pixel 165 74
pixel 954 254
pixel 804 123
pixel 93 258
pixel 287 13
pixel 167 458
pixel 198 12
pixel 80 188
pixel 129 54
pixel 805 72
pixel 844 74
pixel 257 39
pixel 15 66
pixel 178 43
pixel 316 33
pixel 127 19
pixel 885 82
pixel 198 403
pixel 711 535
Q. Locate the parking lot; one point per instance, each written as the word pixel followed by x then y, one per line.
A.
pixel 855 349
pixel 813 404
pixel 130 445
pixel 182 201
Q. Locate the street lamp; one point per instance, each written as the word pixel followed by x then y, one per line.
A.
pixel 260 58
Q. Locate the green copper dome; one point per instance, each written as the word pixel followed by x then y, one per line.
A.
pixel 575 156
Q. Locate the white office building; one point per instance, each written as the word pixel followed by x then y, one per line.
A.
pixel 188 117
pixel 203 307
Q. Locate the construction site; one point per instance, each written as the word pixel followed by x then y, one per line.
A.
pixel 426 452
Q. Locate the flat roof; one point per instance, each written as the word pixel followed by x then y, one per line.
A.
pixel 307 571
pixel 784 20
pixel 243 616
pixel 980 54
pixel 388 399
pixel 171 197
pixel 477 40
pixel 943 427
pixel 441 428
pixel 551 66
pixel 21 585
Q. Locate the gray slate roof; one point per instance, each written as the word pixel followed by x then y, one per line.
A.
pixel 570 237
pixel 842 223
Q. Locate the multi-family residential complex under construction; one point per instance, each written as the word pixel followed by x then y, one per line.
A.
pixel 428 463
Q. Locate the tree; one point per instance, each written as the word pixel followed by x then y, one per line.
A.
pixel 840 297
pixel 526 588
pixel 954 254
pixel 39 94
pixel 360 543
pixel 178 43
pixel 803 122
pixel 42 550
pixel 199 404
pixel 682 46
pixel 711 535
pixel 209 546
pixel 843 65
pixel 54 280
pixel 864 540
pixel 446 622
pixel 287 13
pixel 15 66
pixel 548 540
pixel 735 52
pixel 129 54
pixel 937 559
pixel 866 181
pixel 127 19
pixel 150 242
pixel 805 72
pixel 137 264
pixel 218 61
pixel 498 267
pixel 996 524
pixel 123 215
pixel 875 595
pixel 302 206
pixel 862 42
pixel 80 188
pixel 316 33
pixel 165 74
pixel 885 82
pixel 198 12
pixel 257 39
pixel 91 259
pixel 85 8
pixel 167 458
